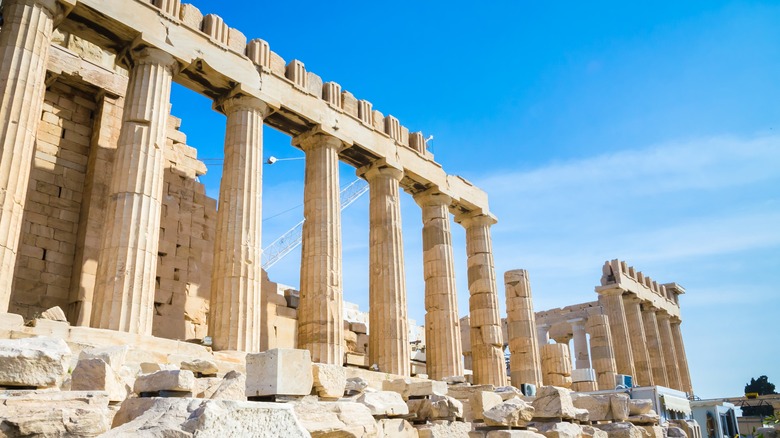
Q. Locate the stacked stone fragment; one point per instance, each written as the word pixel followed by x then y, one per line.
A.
pixel 556 365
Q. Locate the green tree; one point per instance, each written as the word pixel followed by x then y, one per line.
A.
pixel 761 386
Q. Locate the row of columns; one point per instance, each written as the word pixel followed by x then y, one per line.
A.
pixel 125 284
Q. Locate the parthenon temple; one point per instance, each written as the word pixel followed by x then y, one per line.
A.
pixel 102 215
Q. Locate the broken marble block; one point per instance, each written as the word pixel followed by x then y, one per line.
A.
pixel 54 314
pixel 355 385
pixel 97 375
pixel 639 406
pixel 554 402
pixel 481 401
pixel 387 403
pixel 33 362
pixel 114 356
pixel 330 381
pixel 53 413
pixel 559 430
pixel 415 388
pixel 619 406
pixel 280 371
pixel 200 367
pixel 511 413
pixel 622 430
pixel 598 406
pixel 436 407
pixel 169 380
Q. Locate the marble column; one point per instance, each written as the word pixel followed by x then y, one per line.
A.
pixel 654 346
pixel 682 359
pixel 443 354
pixel 602 351
pixel 612 302
pixel 525 360
pixel 24 50
pixel 387 308
pixel 543 334
pixel 321 308
pixel 670 353
pixel 636 330
pixel 236 281
pixel 486 338
pixel 581 355
pixel 127 265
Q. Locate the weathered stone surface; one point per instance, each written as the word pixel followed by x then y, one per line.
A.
pixel 233 387
pixel 622 430
pixel 464 392
pixel 481 401
pixel 205 367
pixel 409 388
pixel 55 314
pixel 511 434
pixel 639 406
pixel 97 375
pixel 675 432
pixel 644 419
pixel 658 432
pixel 597 405
pixel 329 380
pixel 279 372
pixel 114 356
pixel 507 392
pixel 355 385
pixel 581 415
pixel 320 420
pixel 173 380
pixel 513 412
pixel 384 403
pixel 590 431
pixel 559 430
pixel 619 406
pixel 205 387
pixel 553 402
pixel 436 407
pixel 37 362
pixel 184 417
pixel 152 367
pixel 53 413
pixel 395 428
pixel 444 429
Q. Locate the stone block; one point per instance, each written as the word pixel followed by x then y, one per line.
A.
pixel 559 430
pixel 415 388
pixel 191 16
pixel 395 428
pixel 359 328
pixel 437 407
pixel 236 40
pixel 622 430
pixel 481 401
pixel 53 413
pixel 55 314
pixel 174 380
pixel 200 366
pixel 114 356
pixel 443 429
pixel 34 362
pixel 97 375
pixel 592 432
pixel 279 372
pixel 512 434
pixel 511 413
pixel 384 403
pixel 355 385
pixel 152 367
pixel 232 387
pixel 619 406
pixel 329 380
pixel 554 402
pixel 11 321
pixel 335 418
pixel 597 405
pixel 639 406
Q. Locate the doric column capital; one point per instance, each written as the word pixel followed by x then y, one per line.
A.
pixel 314 139
pixel 380 168
pixel 432 198
pixel 661 315
pixel 675 320
pixel 611 291
pixel 243 102
pixel 472 218
pixel 153 55
pixel 577 322
pixel 632 298
pixel 53 8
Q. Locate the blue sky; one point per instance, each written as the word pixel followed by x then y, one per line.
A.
pixel 645 131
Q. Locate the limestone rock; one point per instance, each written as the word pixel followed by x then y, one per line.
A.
pixel 409 388
pixel 559 430
pixel 444 429
pixel 279 372
pixel 232 387
pixel 482 401
pixel 203 367
pixel 53 413
pixel 436 407
pixel 97 375
pixel 37 362
pixel 581 415
pixel 675 432
pixel 152 367
pixel 114 356
pixel 395 428
pixel 639 406
pixel 454 380
pixel 329 380
pixel 619 406
pixel 335 419
pixel 658 432
pixel 590 431
pixel 511 434
pixel 356 416
pixel 465 392
pixel 507 392
pixel 183 417
pixel 355 385
pixel 622 430
pixel 205 387
pixel 174 380
pixel 54 314
pixel 597 405
pixel 553 402
pixel 513 412
pixel 384 403
pixel 648 418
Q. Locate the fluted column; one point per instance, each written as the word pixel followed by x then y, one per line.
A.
pixel 612 302
pixel 486 337
pixel 525 363
pixel 602 351
pixel 387 308
pixel 127 265
pixel 321 308
pixel 682 359
pixel 636 330
pixel 654 347
pixel 543 334
pixel 443 354
pixel 670 352
pixel 24 50
pixel 581 355
pixel 236 281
